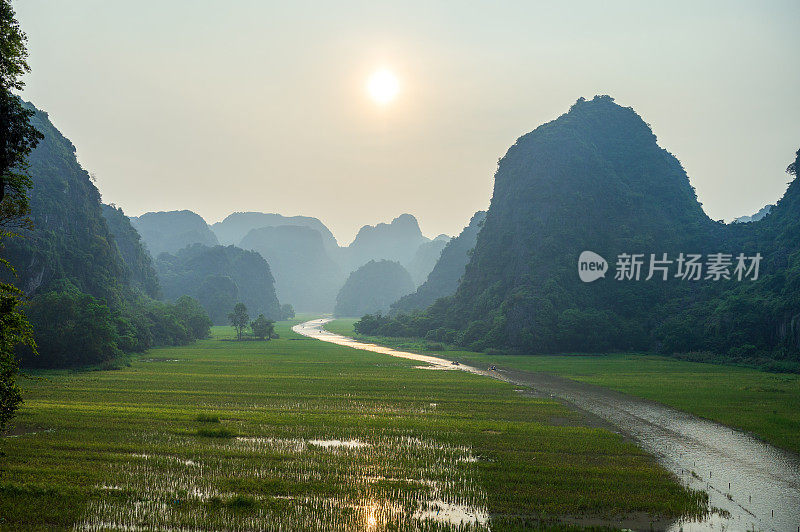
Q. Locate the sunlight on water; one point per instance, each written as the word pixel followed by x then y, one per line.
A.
pixel 402 482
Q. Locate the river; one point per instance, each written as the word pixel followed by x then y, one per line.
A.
pixel 756 484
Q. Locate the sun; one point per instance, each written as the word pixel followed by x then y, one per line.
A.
pixel 383 86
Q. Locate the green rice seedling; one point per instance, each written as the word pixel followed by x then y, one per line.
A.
pixel 217 432
pixel 316 437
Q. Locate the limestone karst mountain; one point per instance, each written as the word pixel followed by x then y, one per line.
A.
pixel 443 279
pixel 372 288
pixel 169 231
pixel 396 241
pixel 235 226
pixel 305 275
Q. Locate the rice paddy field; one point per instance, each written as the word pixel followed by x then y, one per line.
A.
pixel 296 434
pixel 762 403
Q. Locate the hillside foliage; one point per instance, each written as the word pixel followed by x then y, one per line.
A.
pixel 219 277
pixel 90 292
pixel 372 288
pixel 596 179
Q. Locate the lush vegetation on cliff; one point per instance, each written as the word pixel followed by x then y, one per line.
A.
pixel 595 179
pixel 90 290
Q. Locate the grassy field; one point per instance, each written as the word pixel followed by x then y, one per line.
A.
pixel 302 435
pixel 765 404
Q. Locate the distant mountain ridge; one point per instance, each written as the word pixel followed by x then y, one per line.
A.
pixel 395 241
pixel 305 275
pixel 169 231
pixel 425 258
pixel 235 226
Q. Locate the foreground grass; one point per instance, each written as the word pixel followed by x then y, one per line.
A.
pixel 225 434
pixel 765 404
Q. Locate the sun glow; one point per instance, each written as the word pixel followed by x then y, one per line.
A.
pixel 383 86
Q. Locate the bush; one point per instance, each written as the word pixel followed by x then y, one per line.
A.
pixel 73 328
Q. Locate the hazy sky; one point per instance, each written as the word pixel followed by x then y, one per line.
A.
pixel 254 105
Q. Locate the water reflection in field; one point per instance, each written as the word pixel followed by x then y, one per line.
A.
pixel 751 484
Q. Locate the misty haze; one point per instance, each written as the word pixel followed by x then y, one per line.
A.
pixel 399 266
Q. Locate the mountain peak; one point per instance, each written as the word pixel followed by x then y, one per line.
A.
pixel 406 219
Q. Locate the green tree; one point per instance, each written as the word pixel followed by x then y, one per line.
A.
pixel 72 328
pixel 14 331
pixel 262 327
pixel 287 311
pixel 194 315
pixel 239 319
pixel 17 138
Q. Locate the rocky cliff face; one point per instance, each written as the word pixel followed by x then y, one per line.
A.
pixel 446 274
pixel 396 241
pixel 305 275
pixel 70 240
pixel 138 262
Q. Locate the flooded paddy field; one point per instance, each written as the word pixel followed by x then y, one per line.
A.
pixel 297 434
pixel 754 485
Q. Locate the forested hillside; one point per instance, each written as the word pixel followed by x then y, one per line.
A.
pixel 595 179
pixel 137 260
pixel 219 277
pixel 372 288
pixel 87 304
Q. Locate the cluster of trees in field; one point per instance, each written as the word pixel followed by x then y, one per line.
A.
pixel 595 179
pixel 73 328
pixel 261 327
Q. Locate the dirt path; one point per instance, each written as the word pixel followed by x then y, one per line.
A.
pixel 757 484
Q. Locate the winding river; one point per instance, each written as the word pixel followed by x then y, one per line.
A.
pixel 757 485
